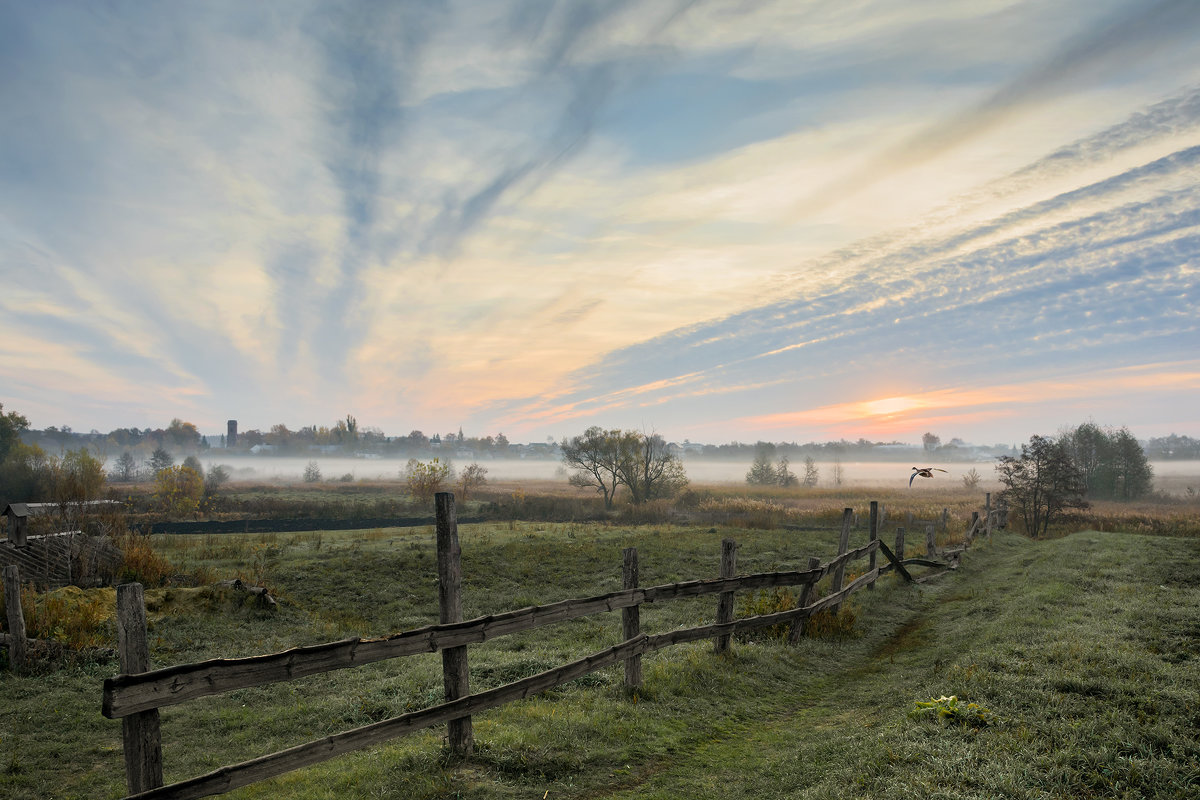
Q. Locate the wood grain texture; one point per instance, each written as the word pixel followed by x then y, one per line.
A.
pixel 17 648
pixel 140 732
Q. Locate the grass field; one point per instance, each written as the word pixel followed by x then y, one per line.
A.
pixel 1083 649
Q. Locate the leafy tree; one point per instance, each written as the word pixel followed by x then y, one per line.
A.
pixel 183 434
pixel 125 468
pixel 11 425
pixel 595 455
pixel 160 459
pixel 1042 483
pixel 191 462
pixel 76 477
pixel 1112 463
pixel 1132 474
pixel 811 473
pixel 312 472
pixel 1088 447
pixel 762 472
pixel 930 442
pixel 427 478
pixel 24 475
pixel 179 490
pixel 648 468
pixel 472 476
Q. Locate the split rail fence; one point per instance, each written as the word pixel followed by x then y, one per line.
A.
pixel 138 692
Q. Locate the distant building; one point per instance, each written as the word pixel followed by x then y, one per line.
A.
pixel 231 433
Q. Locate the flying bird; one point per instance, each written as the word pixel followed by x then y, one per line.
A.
pixel 924 472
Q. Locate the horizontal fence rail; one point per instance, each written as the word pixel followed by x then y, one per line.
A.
pixel 136 695
pixel 237 775
pixel 129 694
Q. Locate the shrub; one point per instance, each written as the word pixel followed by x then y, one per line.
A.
pixel 426 478
pixel 141 563
pixel 179 490
pixel 70 616
pixel 767 601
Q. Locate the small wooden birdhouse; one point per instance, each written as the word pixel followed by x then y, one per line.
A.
pixel 18 523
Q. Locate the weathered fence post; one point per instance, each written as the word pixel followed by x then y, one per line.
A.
pixel 806 594
pixel 899 544
pixel 140 733
pixel 945 519
pixel 725 599
pixel 873 535
pixel 455 674
pixel 839 574
pixel 631 618
pixel 974 529
pixel 987 507
pixel 16 619
pixel 930 541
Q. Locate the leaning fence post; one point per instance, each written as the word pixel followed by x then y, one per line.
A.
pixel 873 535
pixel 899 544
pixel 455 674
pixel 839 574
pixel 725 599
pixel 930 541
pixel 140 732
pixel 806 594
pixel 16 619
pixel 631 618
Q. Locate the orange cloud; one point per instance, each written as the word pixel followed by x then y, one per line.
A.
pixel 905 413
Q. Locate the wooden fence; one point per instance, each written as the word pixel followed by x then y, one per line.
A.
pixel 138 692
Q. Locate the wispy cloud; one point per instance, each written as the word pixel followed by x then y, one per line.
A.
pixel 538 214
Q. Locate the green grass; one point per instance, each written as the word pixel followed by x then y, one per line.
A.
pixel 1085 648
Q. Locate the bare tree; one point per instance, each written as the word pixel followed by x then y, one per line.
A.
pixel 648 468
pixel 595 455
pixel 811 473
pixel 784 475
pixel 642 463
pixel 125 468
pixel 472 475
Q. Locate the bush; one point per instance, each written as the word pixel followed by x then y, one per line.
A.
pixel 426 478
pixel 179 490
pixel 70 616
pixel 141 563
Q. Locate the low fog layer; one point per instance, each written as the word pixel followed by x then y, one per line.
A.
pixel 701 471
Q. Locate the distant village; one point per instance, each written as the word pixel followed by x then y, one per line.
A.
pixel 346 438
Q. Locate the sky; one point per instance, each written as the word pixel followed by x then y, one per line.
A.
pixel 790 221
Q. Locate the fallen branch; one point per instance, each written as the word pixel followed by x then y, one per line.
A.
pixel 261 596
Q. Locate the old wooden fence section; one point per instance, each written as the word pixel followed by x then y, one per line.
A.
pixel 136 695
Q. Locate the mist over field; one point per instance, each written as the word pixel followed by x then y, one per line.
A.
pixel 1170 476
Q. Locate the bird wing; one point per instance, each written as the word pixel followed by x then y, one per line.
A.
pixel 939 469
pixel 910 479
